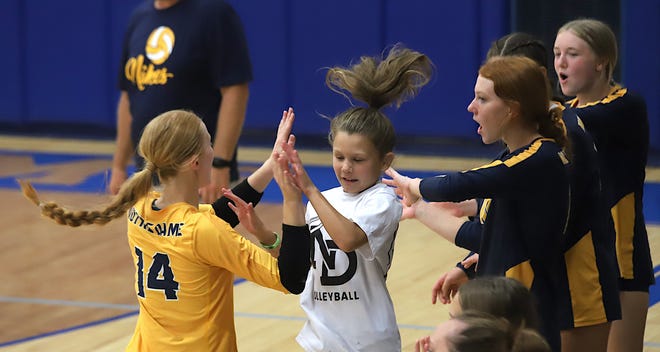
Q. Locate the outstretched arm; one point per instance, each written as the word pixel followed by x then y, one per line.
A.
pixel 294 258
pixel 260 178
pixel 252 188
pixel 293 209
pixel 436 216
pixel 251 221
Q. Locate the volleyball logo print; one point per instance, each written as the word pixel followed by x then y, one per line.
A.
pixel 160 44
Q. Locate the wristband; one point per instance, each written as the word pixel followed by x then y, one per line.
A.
pixel 277 242
pixel 220 163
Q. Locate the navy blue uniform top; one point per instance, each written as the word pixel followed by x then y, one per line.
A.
pixel 590 238
pixel 523 218
pixel 587 199
pixel 620 129
pixel 179 57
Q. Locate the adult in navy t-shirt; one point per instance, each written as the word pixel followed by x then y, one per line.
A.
pixel 188 54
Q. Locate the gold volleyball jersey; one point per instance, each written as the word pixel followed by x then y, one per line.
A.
pixel 185 260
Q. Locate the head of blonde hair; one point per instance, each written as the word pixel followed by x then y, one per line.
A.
pixel 599 37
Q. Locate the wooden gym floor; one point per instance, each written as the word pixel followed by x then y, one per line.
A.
pixel 71 289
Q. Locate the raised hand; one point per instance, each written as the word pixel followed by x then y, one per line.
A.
pixel 284 129
pixel 293 209
pixel 296 170
pixel 282 172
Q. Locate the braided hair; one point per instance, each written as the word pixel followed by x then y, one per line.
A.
pixel 169 142
pixel 520 44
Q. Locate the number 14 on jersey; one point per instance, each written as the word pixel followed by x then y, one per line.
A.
pixel 159 277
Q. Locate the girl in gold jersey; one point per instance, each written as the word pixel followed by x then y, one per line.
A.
pixel 185 256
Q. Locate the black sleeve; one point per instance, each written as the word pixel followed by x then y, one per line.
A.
pixel 483 182
pixel 470 272
pixel 244 191
pixel 511 175
pixel 294 259
pixel 469 235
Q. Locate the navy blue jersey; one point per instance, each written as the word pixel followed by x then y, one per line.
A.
pixel 523 218
pixel 590 240
pixel 619 126
pixel 179 57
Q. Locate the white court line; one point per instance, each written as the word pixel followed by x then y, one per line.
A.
pixel 654 345
pixel 67 303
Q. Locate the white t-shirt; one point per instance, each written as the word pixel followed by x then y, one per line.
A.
pixel 346 299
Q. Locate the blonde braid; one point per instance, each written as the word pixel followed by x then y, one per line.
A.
pixel 133 189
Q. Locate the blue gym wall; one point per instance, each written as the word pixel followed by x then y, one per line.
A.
pixel 60 58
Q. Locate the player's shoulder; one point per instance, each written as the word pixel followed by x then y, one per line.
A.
pixel 204 219
pixel 382 190
pixel 547 145
pixel 534 155
pixel 620 98
pixel 633 98
pixel 538 146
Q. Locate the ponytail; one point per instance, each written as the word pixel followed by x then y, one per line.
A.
pixel 553 127
pixel 136 187
pixel 378 82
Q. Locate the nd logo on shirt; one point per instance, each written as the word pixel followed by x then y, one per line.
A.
pixel 329 251
pixel 159 47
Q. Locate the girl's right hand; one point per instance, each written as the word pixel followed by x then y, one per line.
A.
pixel 282 173
pixel 296 171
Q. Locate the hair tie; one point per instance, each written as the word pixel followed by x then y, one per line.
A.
pixel 555 116
pixel 151 167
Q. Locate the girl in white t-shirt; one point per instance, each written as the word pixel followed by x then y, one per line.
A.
pixel 352 227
